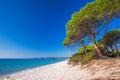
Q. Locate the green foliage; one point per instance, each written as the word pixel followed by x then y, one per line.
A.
pixel 97 12
pixel 81 51
pixel 88 49
pixel 88 57
pixel 111 40
pixel 66 42
pixel 83 59
pixel 75 59
pixel 111 37
pixel 88 22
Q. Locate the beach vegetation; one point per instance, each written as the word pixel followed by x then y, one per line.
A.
pixel 81 57
pixel 84 58
pixel 111 41
pixel 89 21
pixel 85 26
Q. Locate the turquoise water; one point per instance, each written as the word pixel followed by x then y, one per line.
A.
pixel 8 66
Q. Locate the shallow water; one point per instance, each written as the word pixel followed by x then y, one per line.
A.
pixel 8 66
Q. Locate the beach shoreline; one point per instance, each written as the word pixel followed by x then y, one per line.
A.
pixel 55 71
pixel 9 66
pixel 96 69
pixel 25 70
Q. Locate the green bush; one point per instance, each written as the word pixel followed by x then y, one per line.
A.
pixel 83 59
pixel 80 51
pixel 75 59
pixel 88 57
pixel 88 49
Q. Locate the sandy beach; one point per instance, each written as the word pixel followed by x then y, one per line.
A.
pixel 57 71
pixel 95 70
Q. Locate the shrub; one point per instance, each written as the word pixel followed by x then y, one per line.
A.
pixel 88 49
pixel 83 59
pixel 75 59
pixel 88 57
pixel 80 51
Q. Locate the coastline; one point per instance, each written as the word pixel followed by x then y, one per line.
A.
pixel 108 69
pixel 56 71
pixel 25 70
pixel 9 66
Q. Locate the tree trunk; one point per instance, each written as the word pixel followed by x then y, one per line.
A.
pixel 96 46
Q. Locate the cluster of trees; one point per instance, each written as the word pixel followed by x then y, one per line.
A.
pixel 110 41
pixel 90 21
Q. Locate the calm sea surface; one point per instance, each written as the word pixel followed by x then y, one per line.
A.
pixel 8 66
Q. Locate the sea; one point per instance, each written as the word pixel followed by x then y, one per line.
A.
pixel 8 66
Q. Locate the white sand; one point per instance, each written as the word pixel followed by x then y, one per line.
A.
pixel 96 70
pixel 57 71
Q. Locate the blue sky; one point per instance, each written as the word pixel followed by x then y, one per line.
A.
pixel 35 28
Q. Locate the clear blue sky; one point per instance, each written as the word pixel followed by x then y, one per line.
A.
pixel 35 28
